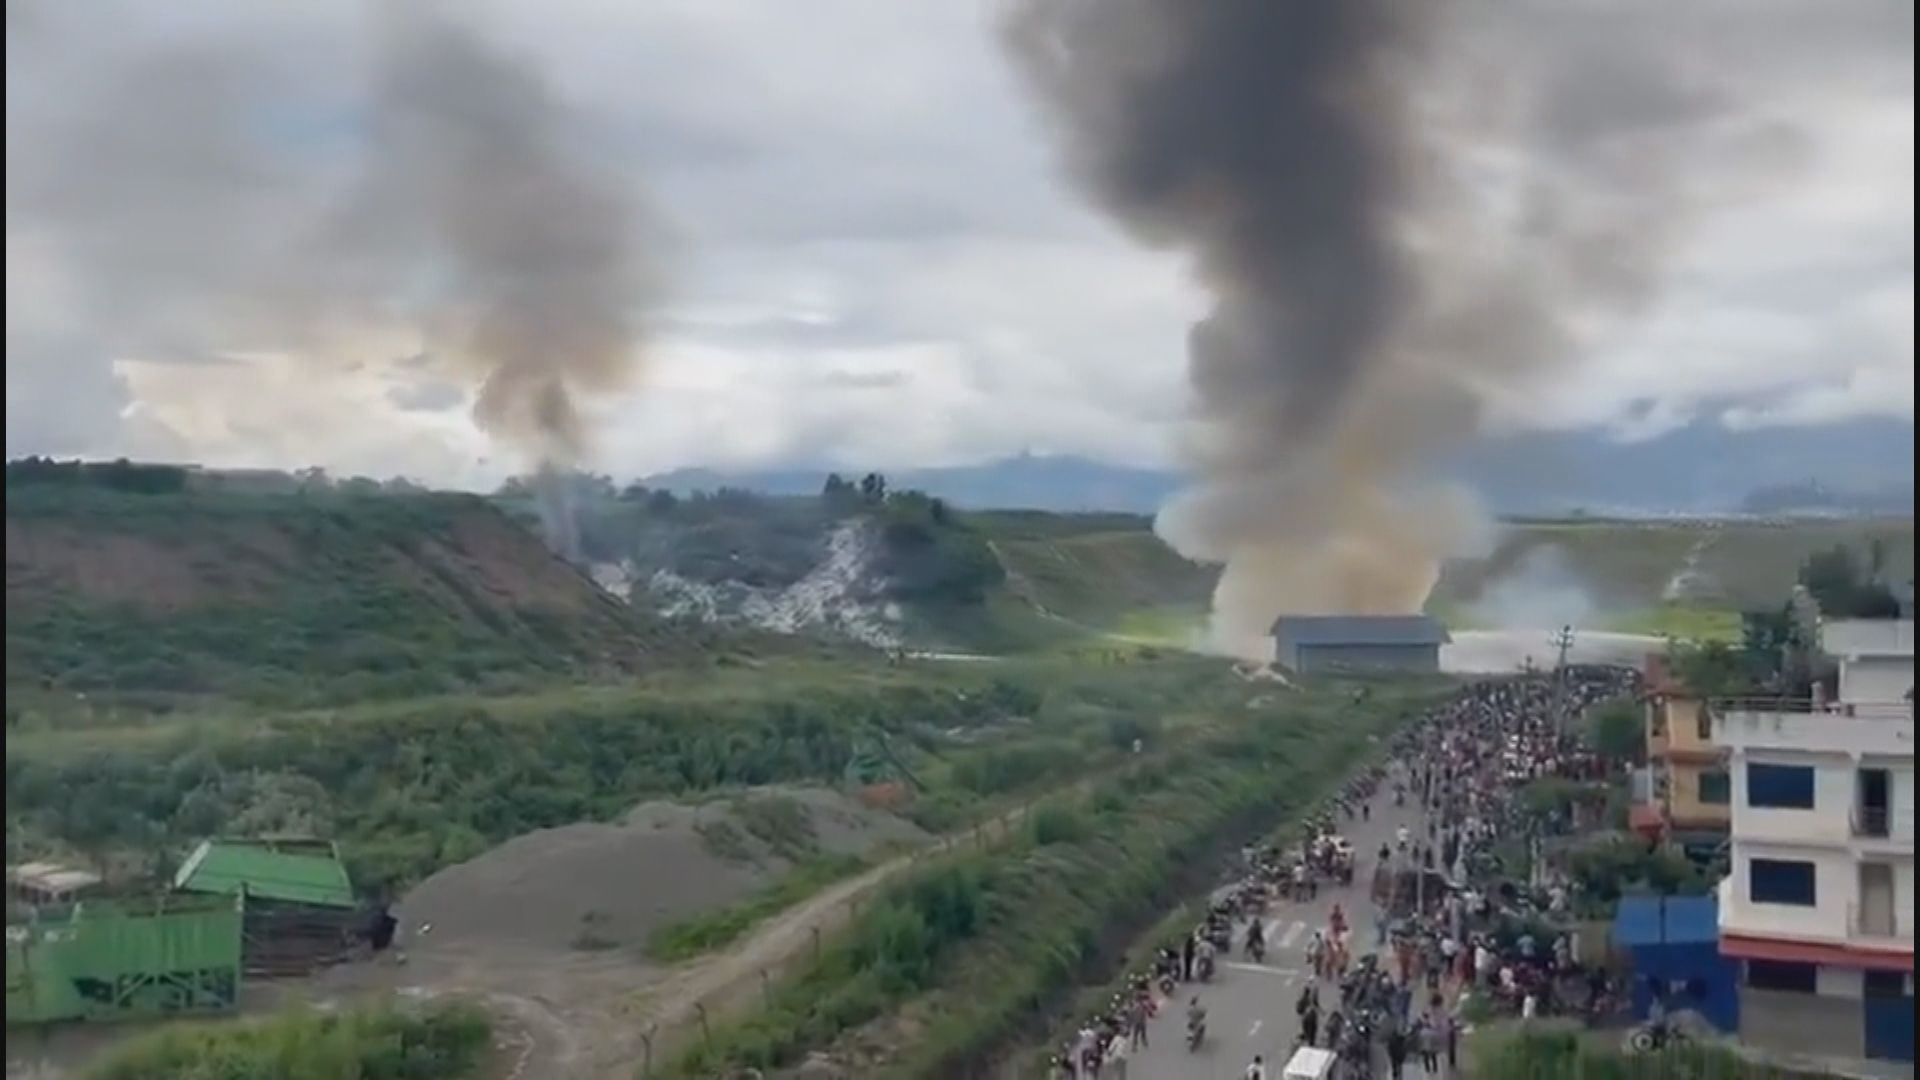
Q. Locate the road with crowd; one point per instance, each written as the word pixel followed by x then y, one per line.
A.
pixel 1250 1007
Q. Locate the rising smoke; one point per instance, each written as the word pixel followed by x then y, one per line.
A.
pixel 1404 213
pixel 470 174
pixel 456 217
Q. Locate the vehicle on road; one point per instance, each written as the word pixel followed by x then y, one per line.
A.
pixel 1309 1063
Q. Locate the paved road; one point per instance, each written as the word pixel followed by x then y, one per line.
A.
pixel 1250 1006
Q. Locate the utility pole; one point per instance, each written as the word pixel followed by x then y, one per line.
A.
pixel 1562 641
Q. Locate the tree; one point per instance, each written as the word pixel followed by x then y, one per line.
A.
pixel 1846 590
pixel 1615 730
pixel 1712 669
pixel 836 489
pixel 873 488
pixel 662 502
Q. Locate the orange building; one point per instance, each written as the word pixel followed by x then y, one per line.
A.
pixel 1686 791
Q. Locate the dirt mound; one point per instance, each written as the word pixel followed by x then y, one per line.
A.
pixel 596 886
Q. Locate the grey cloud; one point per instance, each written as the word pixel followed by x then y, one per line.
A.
pixel 884 148
pixel 427 396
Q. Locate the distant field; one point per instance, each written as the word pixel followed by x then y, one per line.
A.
pixel 1668 579
pixel 1667 576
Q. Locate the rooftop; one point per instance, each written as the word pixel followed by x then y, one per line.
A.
pixel 1666 920
pixel 51 877
pixel 301 872
pixel 1361 630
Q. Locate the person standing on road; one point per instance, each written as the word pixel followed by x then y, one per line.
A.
pixel 1186 959
pixel 1310 1024
pixel 1257 1070
pixel 1137 1022
pixel 1430 1039
pixel 1396 1051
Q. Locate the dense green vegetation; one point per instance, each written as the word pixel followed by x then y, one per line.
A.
pixel 1032 914
pixel 440 1042
pixel 406 788
pixel 1617 730
pixel 1777 653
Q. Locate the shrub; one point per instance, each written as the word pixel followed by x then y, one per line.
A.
pixel 441 1042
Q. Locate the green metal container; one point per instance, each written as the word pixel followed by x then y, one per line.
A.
pixel 98 960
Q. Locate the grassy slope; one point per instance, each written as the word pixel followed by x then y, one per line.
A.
pixel 289 599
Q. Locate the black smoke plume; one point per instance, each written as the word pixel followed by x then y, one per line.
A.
pixel 1402 212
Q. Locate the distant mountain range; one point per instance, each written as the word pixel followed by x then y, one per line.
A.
pixel 1704 468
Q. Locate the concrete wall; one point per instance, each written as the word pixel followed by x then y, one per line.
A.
pixel 1802 1023
pixel 1836 881
pixel 1876 679
pixel 1366 657
pixel 1684 805
pixel 1683 726
pixel 1830 820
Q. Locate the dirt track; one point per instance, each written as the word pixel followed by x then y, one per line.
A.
pixel 598 1017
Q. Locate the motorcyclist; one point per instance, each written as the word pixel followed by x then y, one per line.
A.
pixel 1257 940
pixel 1203 959
pixel 1196 1021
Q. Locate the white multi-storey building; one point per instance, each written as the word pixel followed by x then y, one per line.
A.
pixel 1819 905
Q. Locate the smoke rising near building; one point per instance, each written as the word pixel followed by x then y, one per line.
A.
pixel 1405 215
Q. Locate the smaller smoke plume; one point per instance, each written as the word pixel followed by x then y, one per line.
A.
pixel 1541 592
pixel 534 284
pixel 199 199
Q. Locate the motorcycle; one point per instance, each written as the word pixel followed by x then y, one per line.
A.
pixel 1650 1037
pixel 1196 1032
pixel 1203 968
pixel 1257 949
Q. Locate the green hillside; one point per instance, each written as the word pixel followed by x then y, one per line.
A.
pixel 296 598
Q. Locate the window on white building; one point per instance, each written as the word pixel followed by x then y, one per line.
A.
pixel 1783 975
pixel 1780 881
pixel 1780 787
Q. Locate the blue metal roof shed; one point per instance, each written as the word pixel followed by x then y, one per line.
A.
pixel 1675 945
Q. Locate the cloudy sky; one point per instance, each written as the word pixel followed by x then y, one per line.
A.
pixel 860 245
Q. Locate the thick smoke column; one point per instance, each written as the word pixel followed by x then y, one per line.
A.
pixel 535 286
pixel 1380 263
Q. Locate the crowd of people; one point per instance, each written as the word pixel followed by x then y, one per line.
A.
pixel 1451 918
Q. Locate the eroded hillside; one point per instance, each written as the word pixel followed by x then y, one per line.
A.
pixel 297 597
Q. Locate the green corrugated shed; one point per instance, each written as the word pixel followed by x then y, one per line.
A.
pixel 300 872
pixel 96 960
